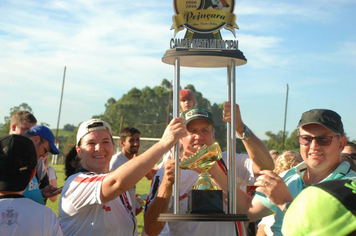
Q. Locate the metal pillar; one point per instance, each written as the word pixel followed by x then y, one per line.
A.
pixel 231 140
pixel 176 90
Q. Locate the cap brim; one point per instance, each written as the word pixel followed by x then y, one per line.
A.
pixel 318 123
pixel 54 149
pixel 198 118
pixel 15 183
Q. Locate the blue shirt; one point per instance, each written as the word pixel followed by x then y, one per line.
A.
pixel 294 181
pixel 33 191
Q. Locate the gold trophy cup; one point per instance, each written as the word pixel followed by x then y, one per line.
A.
pixel 205 196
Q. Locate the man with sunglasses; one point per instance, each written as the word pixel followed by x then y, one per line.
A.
pixel 321 138
pixel 39 188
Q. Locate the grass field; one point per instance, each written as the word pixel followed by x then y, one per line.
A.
pixel 142 187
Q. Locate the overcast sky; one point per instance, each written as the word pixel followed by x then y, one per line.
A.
pixel 110 46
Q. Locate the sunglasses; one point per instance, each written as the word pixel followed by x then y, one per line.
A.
pixel 321 140
pixel 353 156
pixel 47 151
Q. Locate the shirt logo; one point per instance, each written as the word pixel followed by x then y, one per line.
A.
pixel 9 217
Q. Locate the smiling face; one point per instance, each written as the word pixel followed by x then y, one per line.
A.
pixel 95 151
pixel 321 159
pixel 200 132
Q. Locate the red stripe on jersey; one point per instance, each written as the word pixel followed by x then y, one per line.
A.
pixel 88 179
pixel 183 196
pixel 222 167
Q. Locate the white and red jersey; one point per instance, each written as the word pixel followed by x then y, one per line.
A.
pixel 81 211
pixel 116 161
pixel 23 216
pixel 187 179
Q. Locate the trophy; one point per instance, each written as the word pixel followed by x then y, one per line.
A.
pixel 205 196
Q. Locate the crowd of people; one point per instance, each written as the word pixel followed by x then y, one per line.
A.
pixel 99 195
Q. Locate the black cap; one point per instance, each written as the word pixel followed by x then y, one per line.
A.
pixel 327 118
pixel 18 158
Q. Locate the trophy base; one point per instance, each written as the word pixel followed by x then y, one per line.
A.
pixel 205 201
pixel 202 217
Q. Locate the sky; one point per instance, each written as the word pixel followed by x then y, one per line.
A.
pixel 108 47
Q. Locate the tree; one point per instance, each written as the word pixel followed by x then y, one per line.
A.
pixel 69 127
pixel 275 141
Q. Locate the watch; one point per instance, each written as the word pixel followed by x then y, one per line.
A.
pixel 245 134
pixel 285 206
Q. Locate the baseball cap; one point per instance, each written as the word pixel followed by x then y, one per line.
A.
pixel 197 114
pixel 327 118
pixel 46 133
pixel 18 158
pixel 91 125
pixel 327 208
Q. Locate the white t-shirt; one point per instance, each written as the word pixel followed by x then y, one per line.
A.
pixel 81 211
pixel 22 216
pixel 116 161
pixel 51 173
pixel 187 179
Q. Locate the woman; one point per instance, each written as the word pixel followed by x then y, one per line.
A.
pixel 93 201
pixel 187 100
pixel 52 177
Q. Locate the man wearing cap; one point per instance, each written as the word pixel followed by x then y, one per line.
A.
pixel 200 128
pixel 19 215
pixel 43 139
pixel 321 138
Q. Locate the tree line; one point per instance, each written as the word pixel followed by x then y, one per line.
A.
pixel 150 110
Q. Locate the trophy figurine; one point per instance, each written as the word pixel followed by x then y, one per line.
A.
pixel 205 196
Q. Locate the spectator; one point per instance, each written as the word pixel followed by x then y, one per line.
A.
pixel 52 177
pixel 285 161
pixel 187 100
pixel 274 154
pixel 327 208
pixel 350 148
pixel 39 188
pixel 93 201
pixel 200 126
pixel 130 144
pixel 19 215
pixel 21 121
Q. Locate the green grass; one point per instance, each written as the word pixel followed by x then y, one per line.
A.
pixel 142 187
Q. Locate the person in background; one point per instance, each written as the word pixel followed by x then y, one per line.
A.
pixel 274 154
pixel 52 177
pixel 39 188
pixel 347 157
pixel 21 121
pixel 130 144
pixel 20 215
pixel 94 200
pixel 187 100
pixel 327 208
pixel 285 161
pixel 350 148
